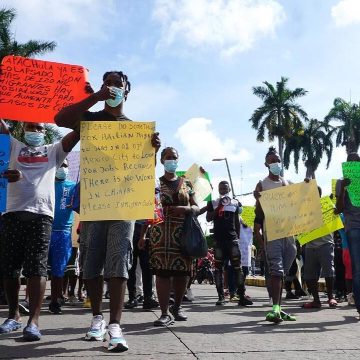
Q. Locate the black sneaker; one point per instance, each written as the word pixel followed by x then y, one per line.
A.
pixel 177 313
pixel 131 304
pixel 55 308
pixel 221 301
pixel 244 301
pixel 291 296
pixel 150 303
pixel 300 293
pixel 139 299
pixel 164 320
pixel 24 307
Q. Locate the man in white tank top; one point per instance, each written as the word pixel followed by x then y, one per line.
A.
pixel 280 253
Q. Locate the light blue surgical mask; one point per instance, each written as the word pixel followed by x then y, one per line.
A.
pixel 62 173
pixel 275 168
pixel 34 138
pixel 119 97
pixel 170 166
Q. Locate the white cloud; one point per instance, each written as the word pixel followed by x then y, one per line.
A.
pixel 202 144
pixel 228 26
pixel 346 12
pixel 54 19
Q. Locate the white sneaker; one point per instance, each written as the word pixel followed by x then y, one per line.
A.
pixel 117 343
pixel 73 300
pixel 351 299
pixel 190 295
pixel 97 329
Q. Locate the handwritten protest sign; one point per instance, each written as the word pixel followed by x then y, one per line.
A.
pixel 4 165
pixel 248 215
pixel 351 170
pixel 291 210
pixel 35 90
pixel 117 170
pixel 204 176
pixel 331 222
pixel 199 181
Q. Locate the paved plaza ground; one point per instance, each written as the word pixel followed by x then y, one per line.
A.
pixel 211 332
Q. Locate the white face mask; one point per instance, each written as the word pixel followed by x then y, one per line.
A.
pixel 61 173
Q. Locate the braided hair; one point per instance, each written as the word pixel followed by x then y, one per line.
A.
pixel 166 149
pixel 123 78
pixel 271 151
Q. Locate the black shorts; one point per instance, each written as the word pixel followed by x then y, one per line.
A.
pixel 24 242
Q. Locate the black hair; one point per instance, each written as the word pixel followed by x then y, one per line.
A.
pixel 271 151
pixel 224 182
pixel 166 149
pixel 123 77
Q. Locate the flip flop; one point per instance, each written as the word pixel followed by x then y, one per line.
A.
pixel 332 303
pixel 311 305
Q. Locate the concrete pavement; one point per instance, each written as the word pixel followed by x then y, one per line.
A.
pixel 211 332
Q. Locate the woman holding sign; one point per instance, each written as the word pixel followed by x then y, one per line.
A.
pixel 280 253
pixel 166 260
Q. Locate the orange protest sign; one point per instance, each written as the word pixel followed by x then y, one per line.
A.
pixel 35 90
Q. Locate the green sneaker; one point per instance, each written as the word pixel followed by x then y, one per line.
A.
pixel 274 316
pixel 287 317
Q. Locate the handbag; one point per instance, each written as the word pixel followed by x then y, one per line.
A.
pixel 193 241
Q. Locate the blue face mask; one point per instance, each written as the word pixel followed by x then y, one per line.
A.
pixel 170 166
pixel 119 97
pixel 34 138
pixel 275 168
pixel 61 173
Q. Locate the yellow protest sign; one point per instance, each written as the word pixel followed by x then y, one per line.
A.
pixel 198 180
pixel 248 215
pixel 291 210
pixel 117 170
pixel 331 221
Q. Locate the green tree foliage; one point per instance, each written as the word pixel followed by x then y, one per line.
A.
pixel 311 144
pixel 279 114
pixel 346 119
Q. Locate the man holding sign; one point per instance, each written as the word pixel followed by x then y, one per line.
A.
pixel 105 246
pixel 280 253
pixel 28 219
pixel 352 224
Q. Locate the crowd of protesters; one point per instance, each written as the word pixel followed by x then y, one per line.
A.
pixel 36 238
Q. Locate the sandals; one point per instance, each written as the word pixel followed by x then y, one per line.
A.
pixel 311 305
pixel 164 320
pixel 332 303
pixel 274 316
pixel 287 317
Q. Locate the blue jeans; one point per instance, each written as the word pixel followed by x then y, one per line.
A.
pixel 354 248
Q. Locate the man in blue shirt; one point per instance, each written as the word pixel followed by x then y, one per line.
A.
pixel 60 243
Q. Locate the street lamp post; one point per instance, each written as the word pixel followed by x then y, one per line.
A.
pixel 228 170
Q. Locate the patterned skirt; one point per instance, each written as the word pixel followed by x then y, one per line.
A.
pixel 165 253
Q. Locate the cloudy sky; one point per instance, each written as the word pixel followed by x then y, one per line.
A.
pixel 193 63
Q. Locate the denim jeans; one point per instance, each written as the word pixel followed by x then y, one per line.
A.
pixel 354 248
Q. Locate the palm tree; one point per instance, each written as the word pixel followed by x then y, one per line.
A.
pixel 9 46
pixel 312 142
pixel 279 114
pixel 348 130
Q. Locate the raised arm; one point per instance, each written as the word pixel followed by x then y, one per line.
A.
pixel 3 127
pixel 70 140
pixel 70 116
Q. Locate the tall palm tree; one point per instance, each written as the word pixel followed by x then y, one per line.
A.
pixel 347 129
pixel 279 114
pixel 312 142
pixel 9 46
